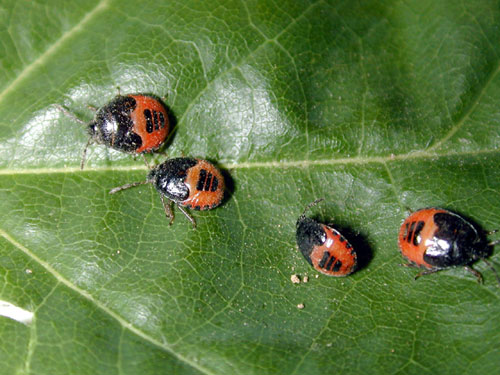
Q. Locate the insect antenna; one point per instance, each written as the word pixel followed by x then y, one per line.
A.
pixel 128 186
pixel 311 205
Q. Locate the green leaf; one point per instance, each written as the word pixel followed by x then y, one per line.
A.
pixel 376 106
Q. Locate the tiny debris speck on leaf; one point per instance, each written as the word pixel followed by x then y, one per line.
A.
pixel 295 279
pixel 305 279
pixel 300 306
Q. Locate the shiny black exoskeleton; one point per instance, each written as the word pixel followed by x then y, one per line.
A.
pixel 169 178
pixel 309 235
pixel 113 125
pixel 455 243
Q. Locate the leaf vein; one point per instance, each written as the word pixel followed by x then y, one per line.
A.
pixel 238 64
pixel 467 111
pixel 98 304
pixel 52 48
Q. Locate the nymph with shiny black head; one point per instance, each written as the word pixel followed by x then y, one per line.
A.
pixel 324 247
pixel 192 183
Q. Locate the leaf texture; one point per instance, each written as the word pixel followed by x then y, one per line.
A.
pixel 376 106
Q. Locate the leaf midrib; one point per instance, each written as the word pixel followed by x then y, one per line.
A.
pixel 415 155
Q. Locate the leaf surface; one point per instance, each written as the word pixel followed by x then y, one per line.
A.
pixel 378 107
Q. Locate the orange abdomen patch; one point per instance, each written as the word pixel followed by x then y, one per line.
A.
pixel 206 186
pixel 415 229
pixel 336 256
pixel 150 121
